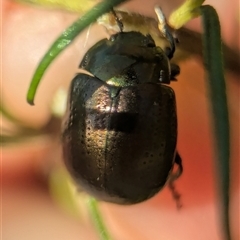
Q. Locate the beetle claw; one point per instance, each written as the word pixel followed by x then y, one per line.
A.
pixel 173 177
pixel 175 194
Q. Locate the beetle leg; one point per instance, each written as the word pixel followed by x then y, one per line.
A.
pixel 175 70
pixel 164 29
pixel 118 21
pixel 174 177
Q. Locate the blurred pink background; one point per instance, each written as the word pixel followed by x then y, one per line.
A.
pixel 29 212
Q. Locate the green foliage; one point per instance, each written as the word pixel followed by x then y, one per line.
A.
pixel 79 6
pixel 213 60
pixel 185 13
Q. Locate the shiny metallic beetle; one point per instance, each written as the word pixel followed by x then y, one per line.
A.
pixel 120 129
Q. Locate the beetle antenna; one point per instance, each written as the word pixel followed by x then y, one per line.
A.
pixel 163 27
pixel 117 19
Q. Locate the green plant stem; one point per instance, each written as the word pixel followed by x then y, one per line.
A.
pixel 97 219
pixel 65 39
pixel 217 90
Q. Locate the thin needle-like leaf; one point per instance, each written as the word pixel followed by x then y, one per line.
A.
pixel 96 216
pixel 213 58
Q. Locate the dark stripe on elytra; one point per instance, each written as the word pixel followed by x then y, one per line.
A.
pixel 119 122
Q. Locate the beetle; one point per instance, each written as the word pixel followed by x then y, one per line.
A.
pixel 119 133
